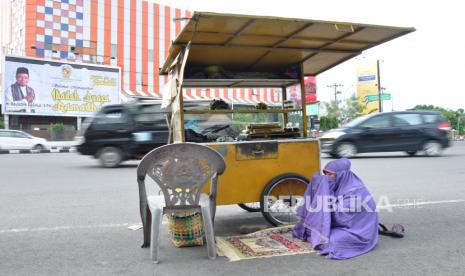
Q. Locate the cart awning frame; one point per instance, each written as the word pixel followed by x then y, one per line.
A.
pixel 267 44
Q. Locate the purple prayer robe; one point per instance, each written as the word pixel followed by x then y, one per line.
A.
pixel 341 233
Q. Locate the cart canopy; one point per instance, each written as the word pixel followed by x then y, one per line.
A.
pixel 261 43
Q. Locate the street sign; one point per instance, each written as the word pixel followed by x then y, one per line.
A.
pixel 384 97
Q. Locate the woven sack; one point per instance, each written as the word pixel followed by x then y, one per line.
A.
pixel 186 229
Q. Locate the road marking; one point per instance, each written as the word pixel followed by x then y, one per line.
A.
pixel 52 150
pixel 135 225
pixel 58 228
pixel 420 203
pixel 132 226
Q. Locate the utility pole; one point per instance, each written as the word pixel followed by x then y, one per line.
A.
pixel 335 85
pixel 458 123
pixel 379 87
pixel 459 116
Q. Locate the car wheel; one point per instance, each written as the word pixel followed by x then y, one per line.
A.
pixel 346 150
pixel 432 148
pixel 411 152
pixel 38 147
pixel 110 157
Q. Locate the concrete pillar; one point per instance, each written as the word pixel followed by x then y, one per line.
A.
pixel 79 122
pixel 6 121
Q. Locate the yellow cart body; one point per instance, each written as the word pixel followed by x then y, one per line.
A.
pixel 248 172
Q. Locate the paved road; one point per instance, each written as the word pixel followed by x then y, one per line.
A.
pixel 60 214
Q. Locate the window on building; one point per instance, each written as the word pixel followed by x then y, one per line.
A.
pixel 114 50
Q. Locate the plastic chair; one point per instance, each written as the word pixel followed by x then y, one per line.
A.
pixel 181 171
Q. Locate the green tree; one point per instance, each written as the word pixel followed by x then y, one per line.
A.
pixel 333 110
pixel 351 110
pixel 339 114
pixel 333 114
pixel 327 123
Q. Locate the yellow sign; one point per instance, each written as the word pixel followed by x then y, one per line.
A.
pixel 367 85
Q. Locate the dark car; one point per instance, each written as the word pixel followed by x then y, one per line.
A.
pixel 129 131
pixel 409 131
pixel 125 131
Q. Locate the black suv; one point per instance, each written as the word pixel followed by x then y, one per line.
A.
pixel 129 131
pixel 409 131
pixel 124 131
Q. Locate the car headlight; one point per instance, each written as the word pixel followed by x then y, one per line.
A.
pixel 332 135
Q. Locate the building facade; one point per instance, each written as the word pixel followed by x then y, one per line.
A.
pixel 134 35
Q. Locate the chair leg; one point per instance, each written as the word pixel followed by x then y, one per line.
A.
pixel 209 232
pixel 146 222
pixel 157 216
pixel 213 209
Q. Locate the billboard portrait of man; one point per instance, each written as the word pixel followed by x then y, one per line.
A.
pixel 20 91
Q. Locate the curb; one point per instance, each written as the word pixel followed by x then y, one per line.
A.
pixel 52 150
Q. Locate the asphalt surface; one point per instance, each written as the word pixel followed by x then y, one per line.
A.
pixel 60 214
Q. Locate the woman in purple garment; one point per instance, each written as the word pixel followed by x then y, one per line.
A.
pixel 338 215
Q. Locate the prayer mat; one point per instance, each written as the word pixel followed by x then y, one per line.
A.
pixel 265 243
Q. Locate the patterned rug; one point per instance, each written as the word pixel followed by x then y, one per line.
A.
pixel 270 242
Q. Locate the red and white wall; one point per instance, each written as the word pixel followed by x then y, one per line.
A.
pixel 134 35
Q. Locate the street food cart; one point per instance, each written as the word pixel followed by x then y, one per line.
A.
pixel 268 162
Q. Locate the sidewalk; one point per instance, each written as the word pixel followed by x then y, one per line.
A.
pixel 53 147
pixel 62 144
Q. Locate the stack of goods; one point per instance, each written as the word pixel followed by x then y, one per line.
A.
pixel 267 130
pixel 219 104
pixel 262 106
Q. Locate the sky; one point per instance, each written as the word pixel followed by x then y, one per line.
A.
pixel 423 67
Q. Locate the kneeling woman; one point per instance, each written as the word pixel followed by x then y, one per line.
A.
pixel 338 215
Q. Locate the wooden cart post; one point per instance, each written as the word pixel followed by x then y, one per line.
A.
pixel 303 103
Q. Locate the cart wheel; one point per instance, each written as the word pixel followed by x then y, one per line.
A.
pixel 280 198
pixel 250 207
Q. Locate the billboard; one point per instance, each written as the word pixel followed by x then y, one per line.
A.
pixel 367 86
pixel 310 92
pixel 53 88
pixel 313 109
pixel 310 89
